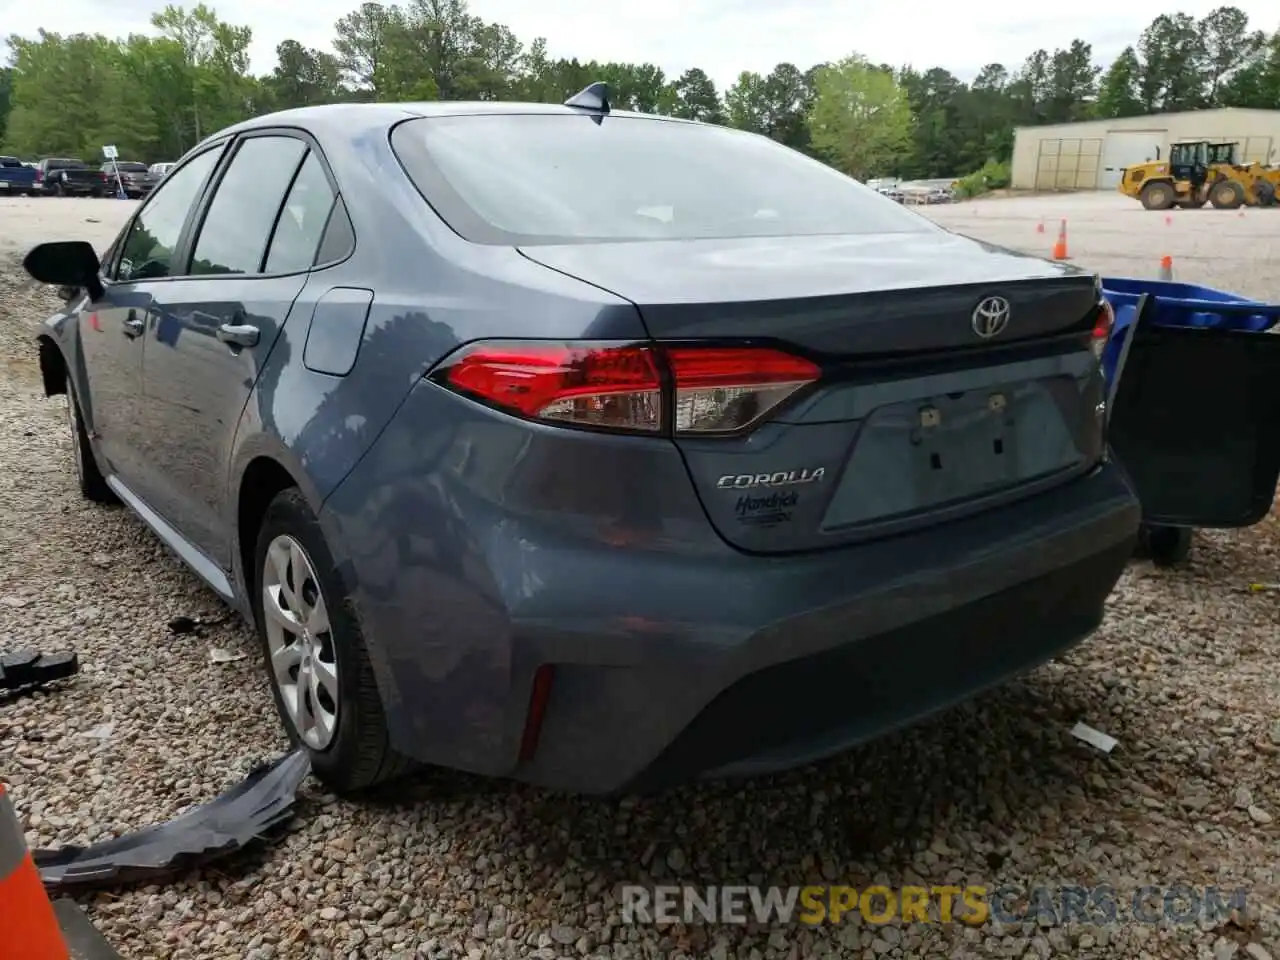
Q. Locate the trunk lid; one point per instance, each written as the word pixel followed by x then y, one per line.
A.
pixel 917 418
pixel 839 295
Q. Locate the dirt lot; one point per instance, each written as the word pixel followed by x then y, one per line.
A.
pixel 994 793
pixel 1115 236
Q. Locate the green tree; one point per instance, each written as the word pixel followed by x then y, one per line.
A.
pixel 747 103
pixel 788 98
pixel 861 120
pixel 1172 52
pixel 1118 89
pixel 992 111
pixel 1072 83
pixel 1229 45
pixel 216 56
pixel 1257 84
pixel 304 77
pixel 941 123
pixel 696 97
pixel 6 99
pixel 371 46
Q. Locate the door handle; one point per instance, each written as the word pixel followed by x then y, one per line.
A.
pixel 133 327
pixel 238 334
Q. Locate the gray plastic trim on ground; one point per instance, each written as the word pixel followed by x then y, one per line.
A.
pixel 246 812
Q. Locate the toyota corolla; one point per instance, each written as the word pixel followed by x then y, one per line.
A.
pixel 588 448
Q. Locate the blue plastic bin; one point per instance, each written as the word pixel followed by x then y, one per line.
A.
pixel 1181 305
pixel 1177 305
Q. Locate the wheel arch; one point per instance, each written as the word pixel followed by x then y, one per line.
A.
pixel 264 475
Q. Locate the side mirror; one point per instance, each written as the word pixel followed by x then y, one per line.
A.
pixel 66 263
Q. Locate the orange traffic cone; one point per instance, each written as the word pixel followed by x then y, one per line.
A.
pixel 28 928
pixel 1166 268
pixel 1040 227
pixel 1168 220
pixel 1060 248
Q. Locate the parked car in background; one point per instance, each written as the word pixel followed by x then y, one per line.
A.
pixel 591 448
pixel 940 195
pixel 65 177
pixel 16 177
pixel 136 178
pixel 158 170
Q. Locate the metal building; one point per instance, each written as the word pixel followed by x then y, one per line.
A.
pixel 1090 155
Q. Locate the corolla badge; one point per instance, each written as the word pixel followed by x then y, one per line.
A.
pixel 990 317
pixel 781 478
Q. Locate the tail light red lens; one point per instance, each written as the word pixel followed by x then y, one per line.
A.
pixel 598 386
pixel 687 389
pixel 39 176
pixel 1102 326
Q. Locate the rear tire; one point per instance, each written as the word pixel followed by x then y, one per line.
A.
pixel 1226 195
pixel 93 485
pixel 1157 196
pixel 313 649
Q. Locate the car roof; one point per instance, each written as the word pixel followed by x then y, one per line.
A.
pixel 351 119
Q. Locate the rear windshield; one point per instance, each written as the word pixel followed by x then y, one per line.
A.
pixel 562 178
pixel 126 167
pixel 10 162
pixel 64 164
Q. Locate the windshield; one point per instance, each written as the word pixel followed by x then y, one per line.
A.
pixel 126 167
pixel 561 178
pixel 10 162
pixel 65 164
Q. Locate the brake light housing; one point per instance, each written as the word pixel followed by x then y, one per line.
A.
pixel 653 389
pixel 1104 322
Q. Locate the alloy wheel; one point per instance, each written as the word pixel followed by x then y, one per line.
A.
pixel 304 663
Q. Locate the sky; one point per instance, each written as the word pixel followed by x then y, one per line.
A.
pixel 723 37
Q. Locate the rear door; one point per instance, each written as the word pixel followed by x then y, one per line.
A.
pixel 1195 421
pixel 211 331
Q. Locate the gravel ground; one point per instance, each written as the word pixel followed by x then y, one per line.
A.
pixel 995 792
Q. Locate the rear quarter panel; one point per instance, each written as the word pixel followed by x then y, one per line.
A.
pixel 432 293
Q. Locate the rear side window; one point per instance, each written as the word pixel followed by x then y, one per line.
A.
pixel 564 178
pixel 302 221
pixel 238 223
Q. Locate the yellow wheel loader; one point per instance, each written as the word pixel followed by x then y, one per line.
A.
pixel 1200 172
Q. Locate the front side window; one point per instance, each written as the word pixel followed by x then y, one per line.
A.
pixel 233 238
pixel 147 252
pixel 564 178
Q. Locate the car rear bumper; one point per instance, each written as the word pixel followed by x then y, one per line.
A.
pixel 785 663
pixel 473 557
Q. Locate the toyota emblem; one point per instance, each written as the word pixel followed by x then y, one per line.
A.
pixel 990 317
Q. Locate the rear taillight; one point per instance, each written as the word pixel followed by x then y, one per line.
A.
pixel 725 389
pixel 1103 322
pixel 39 176
pixel 630 387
